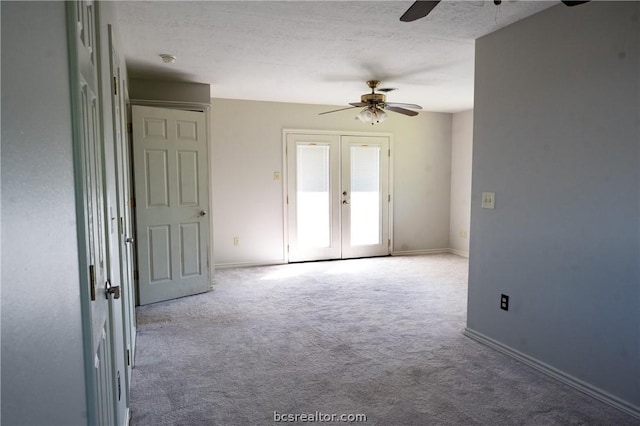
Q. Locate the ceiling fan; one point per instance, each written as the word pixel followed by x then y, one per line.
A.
pixel 375 105
pixel 422 8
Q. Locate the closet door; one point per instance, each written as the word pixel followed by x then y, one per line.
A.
pixel 172 202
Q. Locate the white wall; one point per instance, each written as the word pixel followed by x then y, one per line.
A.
pixel 247 149
pixel 461 153
pixel 556 136
pixel 42 358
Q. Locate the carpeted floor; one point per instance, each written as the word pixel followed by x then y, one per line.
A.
pixel 380 337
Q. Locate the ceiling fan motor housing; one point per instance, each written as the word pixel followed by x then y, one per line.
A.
pixel 373 98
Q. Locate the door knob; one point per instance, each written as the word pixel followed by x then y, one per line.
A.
pixel 345 202
pixel 111 289
pixel 203 212
pixel 128 240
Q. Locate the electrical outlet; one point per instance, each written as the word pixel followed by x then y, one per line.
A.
pixel 276 175
pixel 236 241
pixel 464 234
pixel 504 302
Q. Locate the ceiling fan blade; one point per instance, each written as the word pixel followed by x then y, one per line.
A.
pixel 336 110
pixel 401 105
pixel 418 10
pixel 358 104
pixel 574 3
pixel 401 110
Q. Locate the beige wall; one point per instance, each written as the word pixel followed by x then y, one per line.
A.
pixel 246 141
pixel 461 150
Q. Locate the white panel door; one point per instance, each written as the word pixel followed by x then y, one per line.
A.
pixel 337 196
pixel 172 200
pixel 83 23
pixel 121 308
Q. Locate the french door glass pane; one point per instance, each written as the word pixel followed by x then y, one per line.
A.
pixel 313 197
pixel 365 195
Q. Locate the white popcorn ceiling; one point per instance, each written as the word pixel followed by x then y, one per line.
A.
pixel 315 52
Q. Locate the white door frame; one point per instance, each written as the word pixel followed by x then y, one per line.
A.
pixel 285 177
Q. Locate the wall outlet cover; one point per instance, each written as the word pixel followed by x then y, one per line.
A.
pixel 488 200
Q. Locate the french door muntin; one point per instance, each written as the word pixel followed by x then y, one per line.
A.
pixel 338 196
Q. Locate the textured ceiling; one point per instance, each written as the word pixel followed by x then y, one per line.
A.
pixel 315 52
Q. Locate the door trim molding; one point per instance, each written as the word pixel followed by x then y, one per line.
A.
pixel 285 177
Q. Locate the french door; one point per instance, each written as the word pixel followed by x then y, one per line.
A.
pixel 337 196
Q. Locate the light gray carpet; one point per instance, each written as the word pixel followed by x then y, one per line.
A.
pixel 380 337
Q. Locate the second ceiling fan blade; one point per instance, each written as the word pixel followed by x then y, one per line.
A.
pixel 418 10
pixel 401 111
pixel 401 105
pixel 336 110
pixel 574 3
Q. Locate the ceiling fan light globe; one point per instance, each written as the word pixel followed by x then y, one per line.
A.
pixel 379 115
pixel 365 115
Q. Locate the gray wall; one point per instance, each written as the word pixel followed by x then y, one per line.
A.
pixel 556 137
pixel 42 359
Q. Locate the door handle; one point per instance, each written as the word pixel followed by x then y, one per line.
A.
pixel 111 289
pixel 128 240
pixel 345 202
pixel 203 213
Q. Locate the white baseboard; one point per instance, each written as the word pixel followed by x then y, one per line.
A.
pixel 431 251
pixel 419 252
pixel 559 375
pixel 461 253
pixel 394 253
pixel 248 264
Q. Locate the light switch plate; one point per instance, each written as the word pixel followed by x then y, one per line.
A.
pixel 488 200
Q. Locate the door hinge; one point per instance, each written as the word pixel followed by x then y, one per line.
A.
pixel 130 127
pixel 128 358
pixel 287 198
pixel 389 243
pixel 121 225
pixel 92 281
pixel 132 202
pixel 287 248
pixel 115 85
pixel 135 274
pixel 389 152
pixel 389 200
